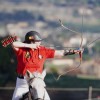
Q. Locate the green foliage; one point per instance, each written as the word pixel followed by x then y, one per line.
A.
pixel 7 65
pixel 54 69
pixel 71 82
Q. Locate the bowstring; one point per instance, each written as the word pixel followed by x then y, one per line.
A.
pixel 79 55
pixel 81 48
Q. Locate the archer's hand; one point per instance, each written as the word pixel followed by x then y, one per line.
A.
pixel 71 52
pixel 78 51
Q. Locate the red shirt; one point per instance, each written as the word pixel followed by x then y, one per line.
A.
pixel 32 60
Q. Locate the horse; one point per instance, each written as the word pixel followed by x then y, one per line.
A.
pixel 35 82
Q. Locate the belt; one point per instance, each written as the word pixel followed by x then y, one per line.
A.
pixel 20 76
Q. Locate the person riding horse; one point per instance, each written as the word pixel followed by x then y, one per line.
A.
pixel 31 56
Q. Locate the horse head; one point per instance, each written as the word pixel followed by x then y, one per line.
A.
pixel 36 82
pixel 35 78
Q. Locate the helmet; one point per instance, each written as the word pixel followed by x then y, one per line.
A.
pixel 32 36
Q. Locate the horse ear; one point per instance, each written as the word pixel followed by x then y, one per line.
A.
pixel 28 74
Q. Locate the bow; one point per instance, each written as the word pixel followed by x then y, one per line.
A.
pixel 80 52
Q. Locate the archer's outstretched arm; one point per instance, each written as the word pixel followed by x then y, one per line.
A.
pixel 61 53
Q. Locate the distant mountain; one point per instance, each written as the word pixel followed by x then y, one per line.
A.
pixel 57 2
pixel 16 1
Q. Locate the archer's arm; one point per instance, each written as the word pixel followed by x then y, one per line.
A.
pixel 61 53
pixel 16 45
